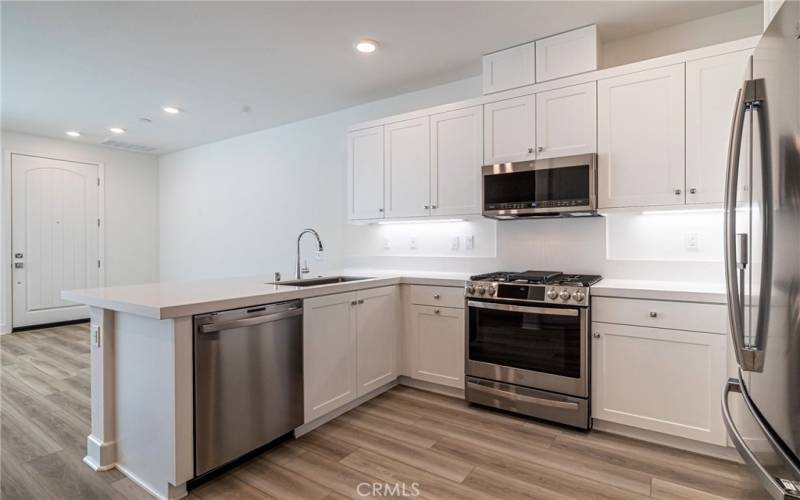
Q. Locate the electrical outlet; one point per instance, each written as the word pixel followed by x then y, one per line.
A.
pixel 692 241
pixel 412 243
pixel 387 245
pixel 469 242
pixel 454 245
pixel 95 335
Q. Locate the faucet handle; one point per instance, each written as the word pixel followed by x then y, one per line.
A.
pixel 305 269
pixel 277 277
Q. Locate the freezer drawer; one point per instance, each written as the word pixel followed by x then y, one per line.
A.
pixel 248 380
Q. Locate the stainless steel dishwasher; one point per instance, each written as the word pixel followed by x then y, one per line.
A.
pixel 248 379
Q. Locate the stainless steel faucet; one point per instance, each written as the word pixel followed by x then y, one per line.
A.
pixel 304 269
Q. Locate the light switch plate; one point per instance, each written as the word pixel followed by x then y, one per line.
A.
pixel 692 241
pixel 455 244
pixel 412 243
pixel 469 242
pixel 95 335
pixel 387 244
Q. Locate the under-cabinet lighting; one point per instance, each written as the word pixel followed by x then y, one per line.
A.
pixel 172 110
pixel 117 130
pixel 73 133
pixel 688 211
pixel 436 221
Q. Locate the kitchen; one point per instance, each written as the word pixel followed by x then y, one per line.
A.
pixel 431 296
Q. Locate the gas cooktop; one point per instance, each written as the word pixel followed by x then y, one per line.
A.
pixel 539 278
pixel 553 287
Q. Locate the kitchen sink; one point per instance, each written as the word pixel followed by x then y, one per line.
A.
pixel 328 280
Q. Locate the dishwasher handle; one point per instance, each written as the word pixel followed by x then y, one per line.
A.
pixel 255 320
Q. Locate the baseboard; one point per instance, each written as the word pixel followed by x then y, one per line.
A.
pixel 310 426
pixel 174 492
pixel 95 466
pixel 711 450
pixel 5 328
pixel 431 387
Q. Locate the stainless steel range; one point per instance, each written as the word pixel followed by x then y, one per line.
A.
pixel 528 344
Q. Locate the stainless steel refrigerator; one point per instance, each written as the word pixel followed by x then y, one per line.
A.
pixel 762 259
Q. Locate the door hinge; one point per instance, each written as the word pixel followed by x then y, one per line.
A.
pixel 98 182
pixel 98 222
pixel 98 263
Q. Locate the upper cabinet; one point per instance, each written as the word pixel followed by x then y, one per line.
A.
pixel 456 159
pixel 407 163
pixel 566 121
pixel 640 138
pixel 509 130
pixel 566 54
pixel 365 173
pixel 509 68
pixel 711 87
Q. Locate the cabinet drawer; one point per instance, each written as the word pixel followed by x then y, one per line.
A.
pixel 444 296
pixel 711 318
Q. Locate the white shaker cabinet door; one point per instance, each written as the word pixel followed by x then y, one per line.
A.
pixel 711 88
pixel 667 381
pixel 640 138
pixel 377 332
pixel 437 353
pixel 456 159
pixel 407 162
pixel 566 121
pixel 365 174
pixel 329 353
pixel 508 133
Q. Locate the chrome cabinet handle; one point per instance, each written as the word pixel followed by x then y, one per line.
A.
pixel 360 301
pixel 380 210
pixel 530 150
pixel 653 314
pixel 678 191
pixel 693 191
pixel 433 207
pixel 540 149
pixel 436 311
pixel 427 207
pixel 596 335
pixel 436 296
pixel 353 302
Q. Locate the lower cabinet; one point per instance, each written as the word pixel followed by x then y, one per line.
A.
pixel 663 380
pixel 349 347
pixel 437 345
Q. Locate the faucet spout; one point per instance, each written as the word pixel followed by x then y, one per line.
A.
pixel 304 269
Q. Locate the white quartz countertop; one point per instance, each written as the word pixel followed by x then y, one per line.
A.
pixel 179 299
pixel 661 290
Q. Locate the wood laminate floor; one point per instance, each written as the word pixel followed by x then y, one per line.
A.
pixel 437 446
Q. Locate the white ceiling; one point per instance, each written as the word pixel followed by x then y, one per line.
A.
pixel 91 65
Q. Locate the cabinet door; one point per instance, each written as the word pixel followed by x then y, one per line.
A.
pixel 456 159
pixel 376 327
pixel 508 133
pixel 640 138
pixel 329 353
pixel 509 68
pixel 566 121
pixel 438 347
pixel 407 160
pixel 711 87
pixel 365 174
pixel 662 380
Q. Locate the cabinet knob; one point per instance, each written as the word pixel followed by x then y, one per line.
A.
pixel 360 301
pixel 380 210
pixel 692 190
pixel 540 149
pixel 436 296
pixel 436 311
pixel 653 314
pixel 433 207
pixel 353 302
pixel 427 207
pixel 596 335
pixel 677 191
pixel 530 150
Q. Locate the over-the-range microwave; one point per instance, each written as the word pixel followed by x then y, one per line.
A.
pixel 555 187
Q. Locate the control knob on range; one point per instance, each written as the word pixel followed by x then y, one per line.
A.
pixel 481 290
pixel 552 294
pixel 565 295
pixel 490 290
pixel 578 296
pixel 470 289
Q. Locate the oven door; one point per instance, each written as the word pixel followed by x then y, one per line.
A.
pixel 540 347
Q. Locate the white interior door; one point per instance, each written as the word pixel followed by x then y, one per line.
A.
pixel 55 237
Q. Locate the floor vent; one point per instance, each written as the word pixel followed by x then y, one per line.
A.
pixel 127 146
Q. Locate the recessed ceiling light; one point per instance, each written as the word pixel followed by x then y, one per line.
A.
pixel 117 130
pixel 172 110
pixel 73 133
pixel 366 46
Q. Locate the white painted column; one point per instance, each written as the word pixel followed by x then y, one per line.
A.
pixel 101 453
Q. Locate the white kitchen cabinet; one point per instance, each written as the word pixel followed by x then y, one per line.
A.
pixel 566 54
pixel 329 353
pixel 377 336
pixel 667 381
pixel 407 168
pixel 566 121
pixel 437 345
pixel 509 68
pixel 640 138
pixel 509 130
pixel 365 174
pixel 456 159
pixel 711 87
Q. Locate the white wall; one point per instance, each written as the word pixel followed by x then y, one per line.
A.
pixel 725 27
pixel 131 209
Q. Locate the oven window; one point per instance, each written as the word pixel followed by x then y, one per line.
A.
pixel 544 343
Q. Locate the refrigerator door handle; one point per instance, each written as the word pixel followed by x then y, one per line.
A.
pixel 777 488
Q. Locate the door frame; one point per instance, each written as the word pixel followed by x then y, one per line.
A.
pixel 6 246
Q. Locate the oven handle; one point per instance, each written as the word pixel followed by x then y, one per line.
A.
pixel 564 405
pixel 523 309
